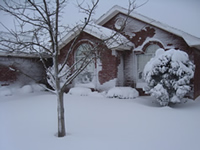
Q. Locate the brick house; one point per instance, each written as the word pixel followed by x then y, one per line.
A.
pixel 121 62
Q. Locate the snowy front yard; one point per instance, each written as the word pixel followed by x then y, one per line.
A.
pixel 28 122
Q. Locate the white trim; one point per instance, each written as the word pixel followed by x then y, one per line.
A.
pixel 140 83
pixel 148 40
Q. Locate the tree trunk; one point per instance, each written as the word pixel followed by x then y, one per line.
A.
pixel 61 116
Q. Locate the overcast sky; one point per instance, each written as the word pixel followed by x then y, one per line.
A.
pixel 181 14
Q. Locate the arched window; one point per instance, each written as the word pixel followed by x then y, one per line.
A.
pixel 142 59
pixel 83 51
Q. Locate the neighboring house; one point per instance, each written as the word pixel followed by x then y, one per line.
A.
pixel 21 68
pixel 121 62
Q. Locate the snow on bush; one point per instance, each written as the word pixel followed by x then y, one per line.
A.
pixel 5 91
pixel 168 76
pixel 26 89
pixel 38 87
pixel 122 93
pixel 17 89
pixel 80 91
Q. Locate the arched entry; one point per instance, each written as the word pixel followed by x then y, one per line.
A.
pixel 87 76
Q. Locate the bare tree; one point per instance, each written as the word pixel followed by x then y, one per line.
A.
pixel 43 36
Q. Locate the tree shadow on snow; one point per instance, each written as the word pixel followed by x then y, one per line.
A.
pixel 147 101
pixel 151 102
pixel 187 103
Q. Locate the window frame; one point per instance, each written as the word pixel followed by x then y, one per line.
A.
pixel 89 71
pixel 140 83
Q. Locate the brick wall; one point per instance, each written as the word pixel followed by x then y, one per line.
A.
pixel 140 33
pixel 108 61
pixel 21 70
pixel 197 74
pixel 7 75
pixel 110 64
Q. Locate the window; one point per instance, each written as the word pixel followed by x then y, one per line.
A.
pixel 86 76
pixel 142 59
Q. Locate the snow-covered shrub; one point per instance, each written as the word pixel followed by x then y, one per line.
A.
pixel 63 74
pixel 18 89
pixel 5 91
pixel 168 76
pixel 80 91
pixel 122 93
pixel 26 89
pixel 38 87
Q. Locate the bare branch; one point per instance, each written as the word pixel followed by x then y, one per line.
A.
pixel 43 37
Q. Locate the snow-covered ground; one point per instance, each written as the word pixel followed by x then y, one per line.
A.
pixel 28 122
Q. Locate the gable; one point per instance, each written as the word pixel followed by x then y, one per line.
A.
pixel 141 33
pixel 112 39
pixel 189 39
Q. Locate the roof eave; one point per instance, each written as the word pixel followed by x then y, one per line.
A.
pixel 23 55
pixel 197 47
pixel 70 36
pixel 108 15
pixel 122 48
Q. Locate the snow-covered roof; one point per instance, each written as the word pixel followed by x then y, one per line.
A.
pixel 12 50
pixel 191 40
pixel 112 39
pixel 23 54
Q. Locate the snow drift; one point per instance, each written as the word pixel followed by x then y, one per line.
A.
pixel 122 93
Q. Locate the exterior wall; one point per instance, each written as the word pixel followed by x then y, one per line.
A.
pixel 197 74
pixel 109 64
pixel 108 74
pixel 120 68
pixel 106 64
pixel 32 69
pixel 143 34
pixel 129 69
pixel 7 75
